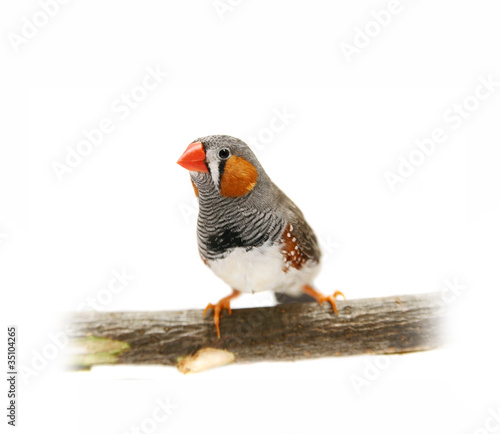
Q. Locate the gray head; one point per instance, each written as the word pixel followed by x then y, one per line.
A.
pixel 224 164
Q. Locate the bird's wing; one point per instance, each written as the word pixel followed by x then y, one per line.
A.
pixel 301 232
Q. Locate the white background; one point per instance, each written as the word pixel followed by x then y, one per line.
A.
pixel 128 205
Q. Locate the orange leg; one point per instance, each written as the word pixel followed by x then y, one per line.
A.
pixel 223 303
pixel 309 290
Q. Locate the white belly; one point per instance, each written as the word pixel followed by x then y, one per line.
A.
pixel 261 269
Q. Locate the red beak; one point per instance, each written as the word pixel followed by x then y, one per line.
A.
pixel 193 158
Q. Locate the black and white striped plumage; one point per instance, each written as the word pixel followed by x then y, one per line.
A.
pixel 250 233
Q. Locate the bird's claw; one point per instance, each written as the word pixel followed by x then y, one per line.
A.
pixel 321 297
pixel 331 300
pixel 224 303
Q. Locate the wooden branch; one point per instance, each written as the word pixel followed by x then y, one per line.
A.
pixel 185 339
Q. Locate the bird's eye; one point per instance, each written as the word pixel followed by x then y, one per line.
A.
pixel 224 154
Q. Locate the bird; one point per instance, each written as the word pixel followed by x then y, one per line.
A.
pixel 250 234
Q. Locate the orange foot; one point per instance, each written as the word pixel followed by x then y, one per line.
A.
pixel 309 290
pixel 221 304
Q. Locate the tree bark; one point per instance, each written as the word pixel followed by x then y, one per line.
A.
pixel 388 325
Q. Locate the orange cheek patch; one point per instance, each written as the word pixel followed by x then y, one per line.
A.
pixel 239 177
